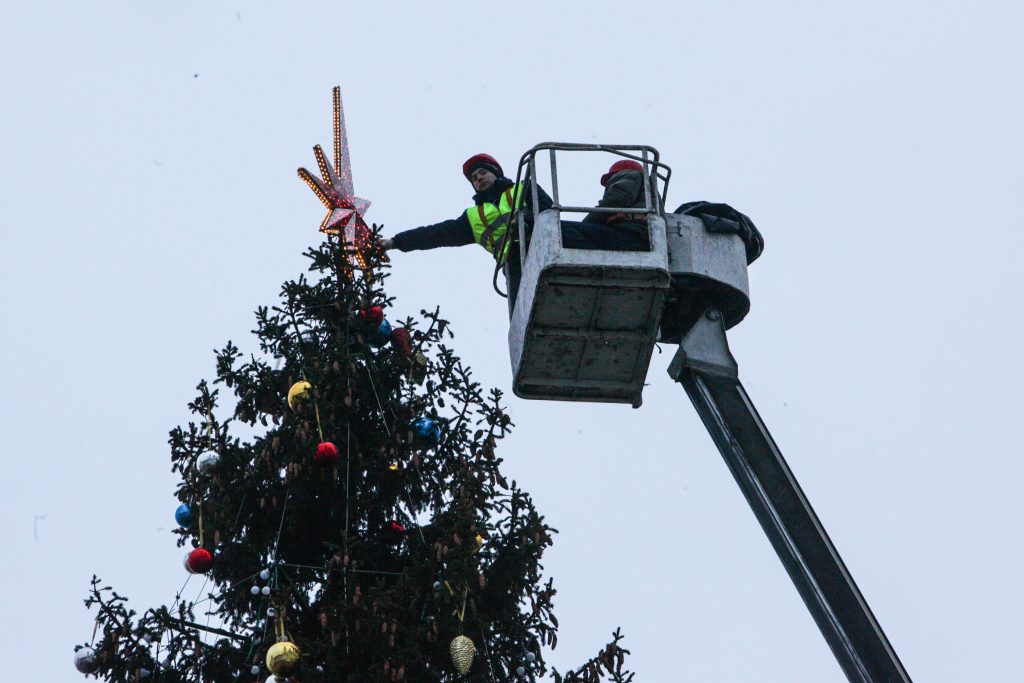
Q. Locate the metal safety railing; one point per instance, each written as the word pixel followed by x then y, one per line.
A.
pixel 655 173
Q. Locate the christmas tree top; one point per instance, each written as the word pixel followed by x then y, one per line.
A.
pixel 362 530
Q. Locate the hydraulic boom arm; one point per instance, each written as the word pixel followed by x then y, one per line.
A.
pixel 708 372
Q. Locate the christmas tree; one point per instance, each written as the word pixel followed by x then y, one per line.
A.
pixel 362 530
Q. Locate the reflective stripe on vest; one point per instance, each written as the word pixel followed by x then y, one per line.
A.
pixel 489 222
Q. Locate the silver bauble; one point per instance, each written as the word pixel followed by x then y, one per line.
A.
pixel 86 660
pixel 208 462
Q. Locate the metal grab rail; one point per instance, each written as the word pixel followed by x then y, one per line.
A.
pixel 653 202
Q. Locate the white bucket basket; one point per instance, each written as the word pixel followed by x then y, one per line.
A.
pixel 586 321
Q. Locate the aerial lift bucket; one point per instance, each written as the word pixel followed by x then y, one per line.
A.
pixel 586 321
pixel 583 328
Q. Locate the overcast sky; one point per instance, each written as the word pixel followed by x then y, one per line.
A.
pixel 150 204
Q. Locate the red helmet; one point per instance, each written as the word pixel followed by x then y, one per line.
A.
pixel 485 160
pixel 618 166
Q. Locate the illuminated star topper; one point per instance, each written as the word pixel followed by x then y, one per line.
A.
pixel 344 210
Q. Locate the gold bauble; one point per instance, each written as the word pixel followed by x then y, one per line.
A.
pixel 283 658
pixel 462 650
pixel 300 391
pixel 478 542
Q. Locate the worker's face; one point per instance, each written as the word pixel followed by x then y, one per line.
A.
pixel 482 179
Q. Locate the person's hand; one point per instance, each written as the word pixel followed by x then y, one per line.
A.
pixel 387 244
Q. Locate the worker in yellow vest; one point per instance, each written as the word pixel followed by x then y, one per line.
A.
pixel 484 223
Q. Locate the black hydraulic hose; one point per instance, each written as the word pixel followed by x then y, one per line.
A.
pixel 511 221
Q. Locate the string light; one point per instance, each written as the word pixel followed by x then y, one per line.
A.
pixel 326 172
pixel 317 190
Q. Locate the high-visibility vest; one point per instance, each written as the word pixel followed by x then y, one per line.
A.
pixel 489 222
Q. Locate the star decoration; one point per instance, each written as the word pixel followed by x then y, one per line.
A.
pixel 345 211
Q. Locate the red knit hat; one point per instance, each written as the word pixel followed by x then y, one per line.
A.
pixel 619 166
pixel 484 160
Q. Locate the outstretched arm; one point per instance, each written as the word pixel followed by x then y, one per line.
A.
pixel 451 233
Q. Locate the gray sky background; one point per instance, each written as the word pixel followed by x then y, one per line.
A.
pixel 150 203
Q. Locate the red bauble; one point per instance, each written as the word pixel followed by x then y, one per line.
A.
pixel 393 532
pixel 401 341
pixel 373 315
pixel 199 561
pixel 326 453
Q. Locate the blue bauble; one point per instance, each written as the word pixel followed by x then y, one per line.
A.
pixel 382 335
pixel 427 431
pixel 183 516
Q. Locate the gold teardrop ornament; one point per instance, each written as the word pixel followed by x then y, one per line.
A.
pixel 462 650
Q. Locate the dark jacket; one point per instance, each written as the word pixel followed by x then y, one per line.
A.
pixel 457 232
pixel 724 218
pixel 624 190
